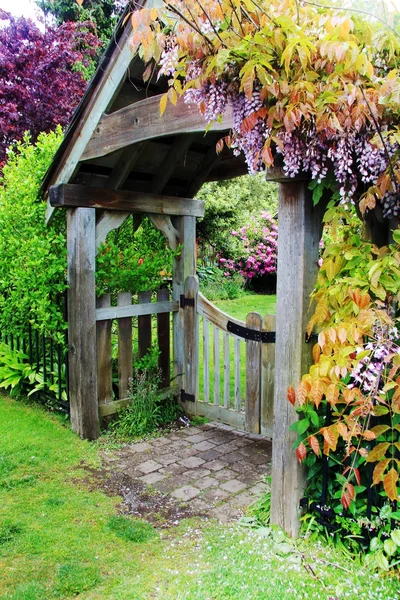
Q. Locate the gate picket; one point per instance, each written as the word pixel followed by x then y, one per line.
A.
pixel 253 375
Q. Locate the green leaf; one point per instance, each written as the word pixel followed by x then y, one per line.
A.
pixel 300 426
pixel 396 236
pixel 390 547
pixel 395 535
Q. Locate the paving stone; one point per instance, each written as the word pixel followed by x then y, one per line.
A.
pixel 191 430
pixel 224 475
pixel 240 443
pixel 187 492
pixel 178 445
pixel 166 486
pixel 243 500
pixel 173 469
pixel 233 486
pixel 186 453
pixel 216 465
pixel 203 446
pixel 158 442
pixel 149 466
pixel 207 482
pixel 167 459
pixel 214 495
pixel 142 447
pixel 191 462
pixel 195 439
pixel 199 505
pixel 258 459
pixel 133 472
pixel 246 451
pixel 258 489
pixel 232 457
pixel 250 477
pixel 209 455
pixel 196 473
pixel 255 436
pixel 228 447
pixel 152 478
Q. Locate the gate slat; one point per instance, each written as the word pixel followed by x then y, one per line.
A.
pixel 226 371
pixel 144 326
pixel 124 347
pixel 268 376
pixel 253 375
pixel 163 336
pixel 216 365
pixel 206 358
pixel 103 343
pixel 237 374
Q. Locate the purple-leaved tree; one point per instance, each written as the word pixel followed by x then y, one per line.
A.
pixel 41 75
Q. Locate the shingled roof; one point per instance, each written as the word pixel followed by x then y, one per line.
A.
pixel 117 139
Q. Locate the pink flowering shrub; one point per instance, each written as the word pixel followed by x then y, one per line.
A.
pixel 255 249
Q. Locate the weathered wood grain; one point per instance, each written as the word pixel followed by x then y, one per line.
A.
pixel 191 338
pixel 219 413
pixel 163 336
pixel 253 375
pixel 81 224
pixel 142 121
pixel 267 379
pixel 217 362
pixel 238 402
pixel 206 360
pixel 164 224
pixel 73 195
pixel 214 315
pixel 136 310
pixel 227 374
pixel 108 222
pixel 298 244
pixel 124 347
pixel 144 326
pixel 103 340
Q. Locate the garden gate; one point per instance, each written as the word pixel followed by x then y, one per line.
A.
pixel 221 381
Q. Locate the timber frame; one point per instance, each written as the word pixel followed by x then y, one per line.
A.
pixel 120 157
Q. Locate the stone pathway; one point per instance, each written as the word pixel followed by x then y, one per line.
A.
pixel 213 469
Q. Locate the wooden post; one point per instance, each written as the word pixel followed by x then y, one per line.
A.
pixel 191 338
pixel 124 347
pixel 253 375
pixel 267 379
pixel 184 266
pixel 81 227
pixel 298 243
pixel 104 368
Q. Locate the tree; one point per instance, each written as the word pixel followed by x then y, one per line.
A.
pixel 41 79
pixel 103 13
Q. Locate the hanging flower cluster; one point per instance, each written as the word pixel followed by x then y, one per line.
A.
pixel 317 88
pixel 256 251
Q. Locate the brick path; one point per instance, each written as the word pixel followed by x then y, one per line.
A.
pixel 213 468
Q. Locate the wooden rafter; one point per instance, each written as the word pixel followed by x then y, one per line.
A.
pixel 142 121
pixel 73 196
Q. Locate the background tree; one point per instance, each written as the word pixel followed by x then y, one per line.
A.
pixel 103 13
pixel 41 75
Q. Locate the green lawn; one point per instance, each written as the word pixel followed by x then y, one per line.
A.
pixel 60 540
pixel 239 309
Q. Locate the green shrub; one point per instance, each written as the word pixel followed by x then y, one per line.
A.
pixel 32 255
pixel 215 286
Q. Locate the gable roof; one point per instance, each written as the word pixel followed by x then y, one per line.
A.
pixel 169 155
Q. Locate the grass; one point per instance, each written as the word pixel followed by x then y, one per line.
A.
pixel 239 309
pixel 60 540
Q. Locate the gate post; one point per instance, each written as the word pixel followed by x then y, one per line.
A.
pixel 298 245
pixel 81 227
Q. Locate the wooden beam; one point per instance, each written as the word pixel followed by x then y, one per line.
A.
pixel 107 222
pixel 112 78
pixel 81 224
pixel 300 228
pixel 142 121
pixel 125 164
pixel 210 160
pixel 164 224
pixel 167 168
pixel 73 196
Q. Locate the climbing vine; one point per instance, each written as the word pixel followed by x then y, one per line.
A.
pixel 314 88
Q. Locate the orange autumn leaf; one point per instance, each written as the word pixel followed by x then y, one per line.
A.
pixel 314 444
pixel 291 395
pixel 303 389
pixel 301 452
pixel 379 471
pixel 390 484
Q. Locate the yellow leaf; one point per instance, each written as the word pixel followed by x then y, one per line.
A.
pixel 80 2
pixel 378 452
pixel 342 335
pixel 163 104
pixel 379 471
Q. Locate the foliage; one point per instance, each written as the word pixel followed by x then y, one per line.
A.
pixel 32 255
pixel 22 378
pixel 349 401
pixel 256 249
pixel 146 410
pixel 133 261
pixel 40 82
pixel 215 286
pixel 317 86
pixel 229 205
pixel 103 14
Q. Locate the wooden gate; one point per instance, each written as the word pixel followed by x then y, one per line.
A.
pixel 229 364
